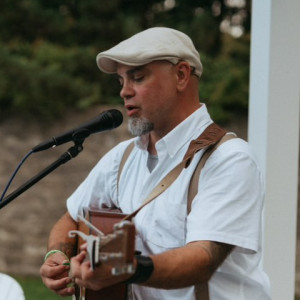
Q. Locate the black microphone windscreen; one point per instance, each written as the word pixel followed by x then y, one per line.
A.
pixel 105 121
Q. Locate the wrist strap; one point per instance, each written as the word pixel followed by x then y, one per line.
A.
pixel 48 254
pixel 143 270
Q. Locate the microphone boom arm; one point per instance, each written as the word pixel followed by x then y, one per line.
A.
pixel 68 155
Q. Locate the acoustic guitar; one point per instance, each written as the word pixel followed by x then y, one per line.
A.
pixel 109 241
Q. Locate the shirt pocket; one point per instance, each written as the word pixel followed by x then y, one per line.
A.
pixel 166 224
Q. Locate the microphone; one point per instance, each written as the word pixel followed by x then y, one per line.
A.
pixel 105 121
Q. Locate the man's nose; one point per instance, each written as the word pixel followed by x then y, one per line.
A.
pixel 127 91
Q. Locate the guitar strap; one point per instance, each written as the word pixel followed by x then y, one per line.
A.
pixel 211 138
pixel 193 188
pixel 202 290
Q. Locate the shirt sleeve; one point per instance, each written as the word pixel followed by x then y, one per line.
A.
pixel 228 206
pixel 100 186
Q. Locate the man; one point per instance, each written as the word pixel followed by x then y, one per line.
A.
pixel 219 241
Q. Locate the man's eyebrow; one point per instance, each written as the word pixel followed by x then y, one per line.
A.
pixel 134 69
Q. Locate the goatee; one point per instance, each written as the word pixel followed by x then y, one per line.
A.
pixel 139 126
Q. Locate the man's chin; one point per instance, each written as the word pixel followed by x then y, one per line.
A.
pixel 139 126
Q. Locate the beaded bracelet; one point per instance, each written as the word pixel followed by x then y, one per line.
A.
pixel 55 251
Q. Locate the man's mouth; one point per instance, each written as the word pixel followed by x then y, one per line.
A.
pixel 131 110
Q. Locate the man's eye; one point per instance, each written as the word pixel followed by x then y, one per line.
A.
pixel 138 78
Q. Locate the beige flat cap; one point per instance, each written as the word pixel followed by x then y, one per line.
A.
pixel 157 43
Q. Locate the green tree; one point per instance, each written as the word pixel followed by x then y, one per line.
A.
pixel 48 50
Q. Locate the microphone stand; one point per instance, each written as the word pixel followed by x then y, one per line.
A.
pixel 68 155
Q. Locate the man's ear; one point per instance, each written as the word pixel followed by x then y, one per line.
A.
pixel 183 75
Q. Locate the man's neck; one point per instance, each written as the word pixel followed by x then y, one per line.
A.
pixel 151 145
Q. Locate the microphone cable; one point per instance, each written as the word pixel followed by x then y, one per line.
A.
pixel 14 174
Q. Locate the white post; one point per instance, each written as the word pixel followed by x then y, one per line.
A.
pixel 274 131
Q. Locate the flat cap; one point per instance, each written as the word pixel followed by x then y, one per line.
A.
pixel 157 43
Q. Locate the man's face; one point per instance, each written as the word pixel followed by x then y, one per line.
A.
pixel 149 94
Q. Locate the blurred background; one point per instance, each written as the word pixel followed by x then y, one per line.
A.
pixel 49 83
pixel 48 50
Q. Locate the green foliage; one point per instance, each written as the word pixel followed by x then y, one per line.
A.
pixel 48 50
pixel 224 83
pixel 44 80
pixel 34 289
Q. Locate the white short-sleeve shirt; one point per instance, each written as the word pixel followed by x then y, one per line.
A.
pixel 227 208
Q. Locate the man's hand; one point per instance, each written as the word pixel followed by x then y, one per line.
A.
pixel 55 275
pixel 96 279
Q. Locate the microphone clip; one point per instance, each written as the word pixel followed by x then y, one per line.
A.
pixel 80 135
pixel 73 151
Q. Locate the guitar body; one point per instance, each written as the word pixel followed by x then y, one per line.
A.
pixel 104 220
